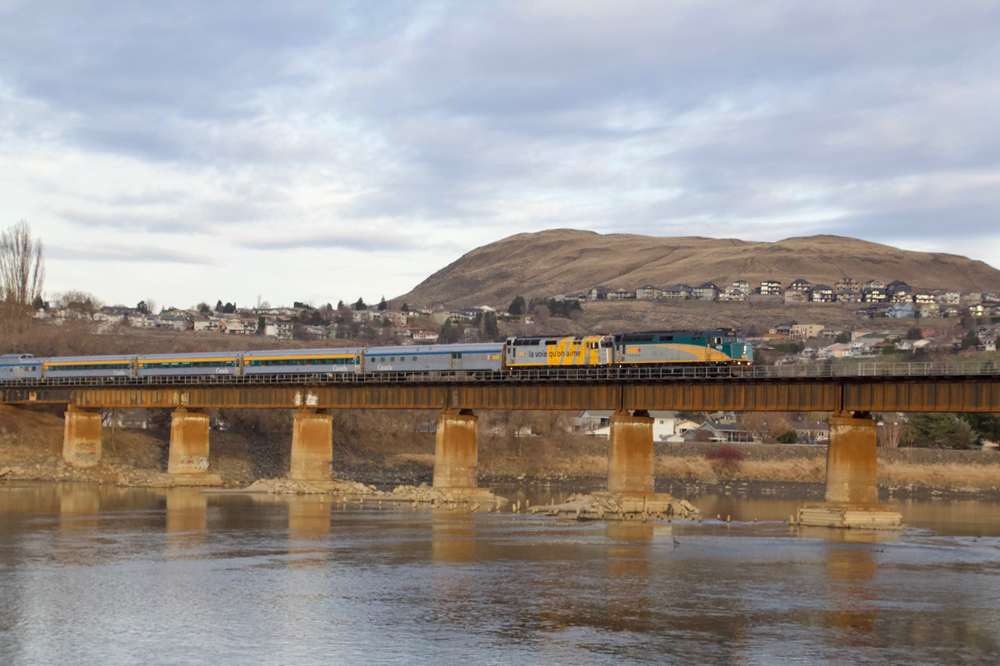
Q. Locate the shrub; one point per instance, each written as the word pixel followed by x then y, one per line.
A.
pixel 725 459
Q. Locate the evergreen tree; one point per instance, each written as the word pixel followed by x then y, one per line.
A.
pixel 360 304
pixel 382 305
pixel 516 306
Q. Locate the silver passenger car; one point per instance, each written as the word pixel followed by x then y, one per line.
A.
pixel 187 365
pixel 19 366
pixel 297 361
pixel 434 358
pixel 67 367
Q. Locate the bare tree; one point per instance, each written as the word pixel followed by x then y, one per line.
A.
pixel 22 271
pixel 891 431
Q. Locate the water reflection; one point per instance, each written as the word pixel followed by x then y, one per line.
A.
pixel 116 572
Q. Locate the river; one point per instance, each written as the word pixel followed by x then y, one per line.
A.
pixel 94 575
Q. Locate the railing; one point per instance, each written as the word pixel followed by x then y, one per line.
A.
pixel 554 374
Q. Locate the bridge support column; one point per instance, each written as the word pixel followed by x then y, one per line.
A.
pixel 456 454
pixel 630 458
pixel 187 461
pixel 851 479
pixel 312 446
pixel 82 437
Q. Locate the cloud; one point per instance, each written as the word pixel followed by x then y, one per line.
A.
pixel 128 254
pixel 428 128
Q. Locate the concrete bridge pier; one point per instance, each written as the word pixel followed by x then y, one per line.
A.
pixel 632 466
pixel 187 461
pixel 630 457
pixel 82 437
pixel 312 446
pixel 851 479
pixel 456 454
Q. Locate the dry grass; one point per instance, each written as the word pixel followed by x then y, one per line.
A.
pixel 955 476
pixel 699 469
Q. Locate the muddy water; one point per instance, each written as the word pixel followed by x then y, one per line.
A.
pixel 91 575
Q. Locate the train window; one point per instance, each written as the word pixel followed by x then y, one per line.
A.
pixel 414 358
pixel 456 355
pixel 392 359
pixel 550 343
pixel 592 345
pixel 717 341
pixel 382 360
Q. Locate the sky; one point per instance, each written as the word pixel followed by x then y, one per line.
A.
pixel 189 151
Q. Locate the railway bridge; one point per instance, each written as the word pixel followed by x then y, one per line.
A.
pixel 850 396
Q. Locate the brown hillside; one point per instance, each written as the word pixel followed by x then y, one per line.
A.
pixel 565 260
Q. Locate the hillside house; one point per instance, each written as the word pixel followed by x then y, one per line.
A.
pixel 770 288
pixel 800 284
pixel 971 297
pixel 874 295
pixel 847 296
pixel 847 284
pixel 977 310
pixel 648 293
pixel 739 291
pixel 207 325
pixel 805 331
pixel 239 325
pixel 821 294
pixel 678 292
pixel 836 350
pixel 706 292
pixel 424 337
pixel 926 310
pixel 795 296
pixel 901 310
pixel 279 328
pixel 621 295
pixel 598 293
pixel 943 297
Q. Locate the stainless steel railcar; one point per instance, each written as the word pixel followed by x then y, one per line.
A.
pixel 20 366
pixel 302 361
pixel 187 365
pixel 76 367
pixel 435 358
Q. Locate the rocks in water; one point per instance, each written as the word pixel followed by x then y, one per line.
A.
pixel 621 506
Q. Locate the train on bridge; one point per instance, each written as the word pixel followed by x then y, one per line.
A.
pixel 550 354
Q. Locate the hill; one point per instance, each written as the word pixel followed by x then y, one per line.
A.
pixel 564 260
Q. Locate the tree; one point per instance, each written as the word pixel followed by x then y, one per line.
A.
pixel 941 430
pixel 516 306
pixel 142 307
pixel 843 338
pixel 360 304
pixel 891 431
pixel 218 305
pixel 405 307
pixel 229 308
pixel 204 308
pixel 986 426
pixel 382 305
pixel 22 271
pixel 914 333
pixel 971 340
pixel 449 333
pixel 490 329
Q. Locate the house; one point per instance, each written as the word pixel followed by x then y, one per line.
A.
pixel 706 292
pixel 424 337
pixel 648 293
pixel 950 312
pixel 739 291
pixel 805 331
pixel 977 310
pixel 947 297
pixel 714 431
pixel 666 425
pixel 800 284
pixel 395 318
pixel 847 284
pixel 598 293
pixel 836 350
pixel 847 296
pixel 924 297
pixel 678 292
pixel 901 310
pixel 239 325
pixel 794 296
pixel 821 294
pixel 172 322
pixel 873 291
pixel 812 432
pixel 770 288
pixel 971 297
pixel 207 325
pixel 926 310
pixel 279 328
pixel 621 295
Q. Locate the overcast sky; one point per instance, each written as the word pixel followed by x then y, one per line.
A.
pixel 297 150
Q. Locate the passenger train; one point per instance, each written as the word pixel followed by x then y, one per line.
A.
pixel 548 354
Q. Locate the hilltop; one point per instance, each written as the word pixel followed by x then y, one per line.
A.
pixel 564 260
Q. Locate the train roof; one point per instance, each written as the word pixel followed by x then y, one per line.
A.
pixel 17 357
pixel 163 357
pixel 84 359
pixel 710 332
pixel 404 350
pixel 303 352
